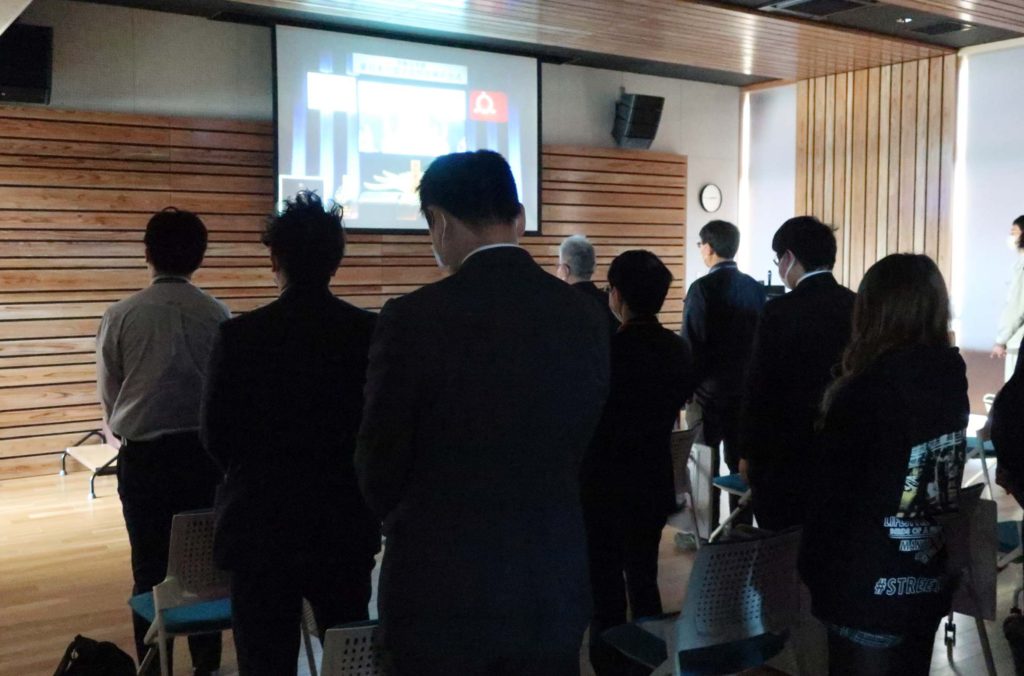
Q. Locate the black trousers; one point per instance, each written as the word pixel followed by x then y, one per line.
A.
pixel 462 665
pixel 623 554
pixel 720 426
pixel 157 479
pixel 913 657
pixel 266 606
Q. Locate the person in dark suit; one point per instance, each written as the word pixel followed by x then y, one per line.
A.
pixel 280 415
pixel 628 487
pixel 482 395
pixel 576 263
pixel 719 320
pixel 800 339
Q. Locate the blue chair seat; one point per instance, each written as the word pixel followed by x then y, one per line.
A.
pixel 209 616
pixel 990 450
pixel 733 483
pixel 1009 536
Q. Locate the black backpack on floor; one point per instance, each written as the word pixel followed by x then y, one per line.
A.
pixel 86 657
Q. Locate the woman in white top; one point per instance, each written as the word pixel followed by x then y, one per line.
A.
pixel 1013 313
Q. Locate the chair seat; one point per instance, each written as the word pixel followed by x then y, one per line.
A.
pixel 732 483
pixel 199 618
pixel 1009 536
pixel 729 658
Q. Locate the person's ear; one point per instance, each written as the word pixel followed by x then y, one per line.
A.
pixel 521 221
pixel 275 265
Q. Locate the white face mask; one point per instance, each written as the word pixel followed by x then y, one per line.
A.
pixel 1011 243
pixel 785 275
pixel 433 249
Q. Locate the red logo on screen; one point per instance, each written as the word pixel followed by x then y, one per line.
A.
pixel 488 106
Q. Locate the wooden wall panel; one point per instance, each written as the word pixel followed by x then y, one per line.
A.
pixel 76 190
pixel 893 134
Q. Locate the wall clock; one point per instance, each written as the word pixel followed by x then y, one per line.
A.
pixel 710 198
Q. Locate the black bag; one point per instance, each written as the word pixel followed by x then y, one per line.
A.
pixel 86 657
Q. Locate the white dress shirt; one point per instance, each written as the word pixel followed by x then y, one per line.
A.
pixel 152 351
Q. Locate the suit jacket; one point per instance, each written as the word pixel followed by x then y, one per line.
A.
pixel 590 289
pixel 282 406
pixel 629 465
pixel 800 339
pixel 719 320
pixel 482 394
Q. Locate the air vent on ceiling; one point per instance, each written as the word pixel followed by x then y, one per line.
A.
pixel 942 28
pixel 814 9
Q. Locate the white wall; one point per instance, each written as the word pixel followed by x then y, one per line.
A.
pixel 994 173
pixel 137 61
pixel 699 120
pixel 772 172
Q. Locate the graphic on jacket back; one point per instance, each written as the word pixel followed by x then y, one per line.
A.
pixel 934 473
pixel 931 487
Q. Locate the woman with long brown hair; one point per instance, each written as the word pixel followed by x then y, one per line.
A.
pixel 891 456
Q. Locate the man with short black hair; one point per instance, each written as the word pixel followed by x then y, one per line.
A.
pixel 482 394
pixel 280 415
pixel 800 339
pixel 719 320
pixel 151 356
pixel 576 263
pixel 627 480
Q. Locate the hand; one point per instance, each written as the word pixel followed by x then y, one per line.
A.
pixel 744 470
pixel 998 351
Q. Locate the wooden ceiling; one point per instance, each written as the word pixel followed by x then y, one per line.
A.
pixel 1007 14
pixel 685 32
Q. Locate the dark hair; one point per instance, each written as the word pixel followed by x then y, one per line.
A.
pixel 175 241
pixel 902 301
pixel 641 279
pixel 722 236
pixel 1019 222
pixel 811 241
pixel 307 239
pixel 476 187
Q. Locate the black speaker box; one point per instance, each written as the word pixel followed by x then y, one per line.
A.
pixel 26 62
pixel 636 120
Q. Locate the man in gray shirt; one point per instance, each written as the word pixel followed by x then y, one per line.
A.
pixel 151 357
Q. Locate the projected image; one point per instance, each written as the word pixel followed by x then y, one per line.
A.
pixel 365 123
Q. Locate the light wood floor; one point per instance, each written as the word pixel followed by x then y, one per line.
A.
pixel 64 570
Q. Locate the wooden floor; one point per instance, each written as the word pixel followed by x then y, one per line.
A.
pixel 64 570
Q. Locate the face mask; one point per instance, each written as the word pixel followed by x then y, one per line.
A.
pixel 1011 243
pixel 785 275
pixel 433 249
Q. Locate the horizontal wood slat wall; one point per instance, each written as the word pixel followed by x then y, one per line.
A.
pixel 875 159
pixel 76 190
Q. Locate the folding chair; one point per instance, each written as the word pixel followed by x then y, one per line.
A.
pixel 741 600
pixel 733 484
pixel 101 458
pixel 352 650
pixel 194 596
pixel 682 443
pixel 972 542
pixel 979 447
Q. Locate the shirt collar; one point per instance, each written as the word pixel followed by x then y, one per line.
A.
pixel 170 279
pixel 501 245
pixel 722 266
pixel 813 273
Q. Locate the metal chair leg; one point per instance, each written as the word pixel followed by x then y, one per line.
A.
pixel 63 465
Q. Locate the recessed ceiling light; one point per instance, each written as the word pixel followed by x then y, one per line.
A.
pixel 905 19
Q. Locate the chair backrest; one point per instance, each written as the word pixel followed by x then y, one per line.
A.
pixel 352 650
pixel 972 547
pixel 740 589
pixel 190 560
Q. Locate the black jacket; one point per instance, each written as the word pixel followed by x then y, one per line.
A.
pixel 891 460
pixel 282 405
pixel 601 297
pixel 483 392
pixel 800 339
pixel 1008 434
pixel 719 320
pixel 629 464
